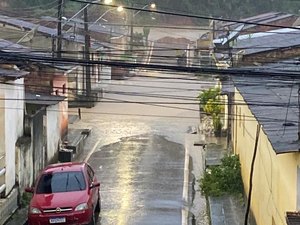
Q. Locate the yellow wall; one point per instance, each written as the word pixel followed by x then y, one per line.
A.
pixel 275 176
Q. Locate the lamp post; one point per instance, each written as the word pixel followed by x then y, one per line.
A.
pixel 107 2
pixel 119 9
pixel 152 6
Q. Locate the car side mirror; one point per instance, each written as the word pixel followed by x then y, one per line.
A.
pixel 29 189
pixel 95 184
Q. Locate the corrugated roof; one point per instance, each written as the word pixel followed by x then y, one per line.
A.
pixel 274 103
pixel 49 31
pixel 114 31
pixel 7 46
pixel 38 99
pixel 12 74
pixel 264 18
pixel 267 41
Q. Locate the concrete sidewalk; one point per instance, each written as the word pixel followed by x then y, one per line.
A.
pixel 194 168
pixel 19 217
pixel 76 139
pixel 224 210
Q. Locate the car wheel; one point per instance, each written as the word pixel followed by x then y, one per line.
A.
pixel 93 220
pixel 98 206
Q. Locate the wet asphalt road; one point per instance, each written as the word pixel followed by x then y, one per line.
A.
pixel 137 147
pixel 142 181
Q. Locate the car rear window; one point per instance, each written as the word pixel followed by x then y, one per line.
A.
pixel 61 182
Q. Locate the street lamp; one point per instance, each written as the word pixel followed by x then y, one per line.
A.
pixel 106 2
pixel 119 9
pixel 152 6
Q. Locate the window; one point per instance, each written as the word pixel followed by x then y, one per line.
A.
pixel 61 182
pixel 90 173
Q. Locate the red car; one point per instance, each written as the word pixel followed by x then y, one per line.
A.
pixel 65 193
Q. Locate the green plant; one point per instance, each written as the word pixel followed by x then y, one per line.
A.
pixel 217 124
pixel 25 199
pixel 211 104
pixel 214 107
pixel 206 95
pixel 223 179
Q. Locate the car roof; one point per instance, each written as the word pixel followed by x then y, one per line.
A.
pixel 65 167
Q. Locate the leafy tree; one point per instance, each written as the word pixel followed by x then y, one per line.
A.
pixel 231 9
pixel 28 3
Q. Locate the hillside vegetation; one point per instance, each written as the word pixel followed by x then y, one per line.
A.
pixel 233 9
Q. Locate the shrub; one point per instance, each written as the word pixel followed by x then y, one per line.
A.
pixel 206 95
pixel 223 179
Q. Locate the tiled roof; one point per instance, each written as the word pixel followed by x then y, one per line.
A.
pixel 274 104
pixel 293 218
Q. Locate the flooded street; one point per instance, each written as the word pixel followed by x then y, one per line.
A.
pixel 137 147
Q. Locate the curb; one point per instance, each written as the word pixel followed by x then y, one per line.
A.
pixel 19 217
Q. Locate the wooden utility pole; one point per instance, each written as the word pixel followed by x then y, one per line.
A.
pixel 59 27
pixel 87 42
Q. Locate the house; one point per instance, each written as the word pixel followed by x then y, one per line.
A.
pixel 264 108
pixel 100 32
pixel 253 44
pixel 221 28
pixel 272 103
pixel 12 109
pixel 43 38
pixel 34 117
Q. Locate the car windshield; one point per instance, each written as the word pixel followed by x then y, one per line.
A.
pixel 61 182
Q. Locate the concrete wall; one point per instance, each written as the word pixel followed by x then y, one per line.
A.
pixel 11 125
pixel 57 125
pixel 275 176
pixel 24 169
pixel 38 143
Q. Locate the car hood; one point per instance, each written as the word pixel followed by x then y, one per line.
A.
pixel 61 200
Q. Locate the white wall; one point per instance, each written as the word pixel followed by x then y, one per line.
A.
pixel 13 126
pixel 53 129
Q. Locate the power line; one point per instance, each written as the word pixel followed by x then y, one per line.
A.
pixel 191 16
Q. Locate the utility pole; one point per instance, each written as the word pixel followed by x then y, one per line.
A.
pixel 59 27
pixel 87 42
pixel 131 29
pixel 299 112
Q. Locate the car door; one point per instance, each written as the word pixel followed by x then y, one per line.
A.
pixel 93 191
